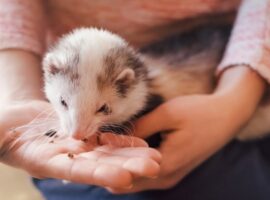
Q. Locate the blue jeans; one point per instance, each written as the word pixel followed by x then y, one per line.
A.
pixel 239 171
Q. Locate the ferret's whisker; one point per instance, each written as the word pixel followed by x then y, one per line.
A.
pixel 32 125
pixel 128 131
pixel 47 112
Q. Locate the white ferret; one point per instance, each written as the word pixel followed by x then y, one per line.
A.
pixel 93 78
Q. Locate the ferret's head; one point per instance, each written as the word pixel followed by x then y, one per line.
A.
pixel 93 78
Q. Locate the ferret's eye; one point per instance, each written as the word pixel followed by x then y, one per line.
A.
pixel 104 109
pixel 63 102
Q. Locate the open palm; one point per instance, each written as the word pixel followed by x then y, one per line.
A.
pixel 114 162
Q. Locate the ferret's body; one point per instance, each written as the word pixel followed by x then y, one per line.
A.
pixel 186 64
pixel 93 68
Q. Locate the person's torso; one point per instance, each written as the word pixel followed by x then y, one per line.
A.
pixel 138 21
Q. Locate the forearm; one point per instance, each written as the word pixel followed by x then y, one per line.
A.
pixel 21 76
pixel 21 80
pixel 240 90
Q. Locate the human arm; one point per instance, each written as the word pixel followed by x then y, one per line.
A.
pixel 202 124
pixel 22 38
pixel 22 101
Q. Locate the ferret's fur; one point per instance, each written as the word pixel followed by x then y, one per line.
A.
pixel 90 67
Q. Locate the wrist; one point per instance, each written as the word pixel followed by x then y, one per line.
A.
pixel 22 97
pixel 21 76
pixel 19 114
pixel 239 91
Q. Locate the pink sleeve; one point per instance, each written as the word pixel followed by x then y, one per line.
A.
pixel 250 40
pixel 22 25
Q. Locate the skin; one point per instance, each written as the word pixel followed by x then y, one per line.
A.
pixel 22 100
pixel 236 97
pixel 231 105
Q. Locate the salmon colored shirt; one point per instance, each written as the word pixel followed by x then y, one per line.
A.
pixel 26 24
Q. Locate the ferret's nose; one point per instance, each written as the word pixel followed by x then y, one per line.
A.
pixel 78 134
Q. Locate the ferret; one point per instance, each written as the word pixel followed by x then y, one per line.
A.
pixel 96 81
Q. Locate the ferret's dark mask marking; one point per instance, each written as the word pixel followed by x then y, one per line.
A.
pixel 115 62
pixel 153 101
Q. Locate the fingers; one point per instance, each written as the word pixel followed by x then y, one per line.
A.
pixel 121 140
pixel 142 184
pixel 155 121
pixel 103 166
pixel 82 170
pixel 142 167
pixel 138 166
pixel 108 166
pixel 132 152
pixel 140 161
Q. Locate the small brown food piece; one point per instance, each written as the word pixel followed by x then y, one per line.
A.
pixel 70 155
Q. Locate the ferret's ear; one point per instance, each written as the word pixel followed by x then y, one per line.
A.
pixel 49 67
pixel 124 80
pixel 127 76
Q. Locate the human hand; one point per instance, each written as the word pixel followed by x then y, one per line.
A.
pixel 113 162
pixel 198 129
pixel 199 125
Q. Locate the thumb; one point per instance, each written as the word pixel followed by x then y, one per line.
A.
pixel 153 122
